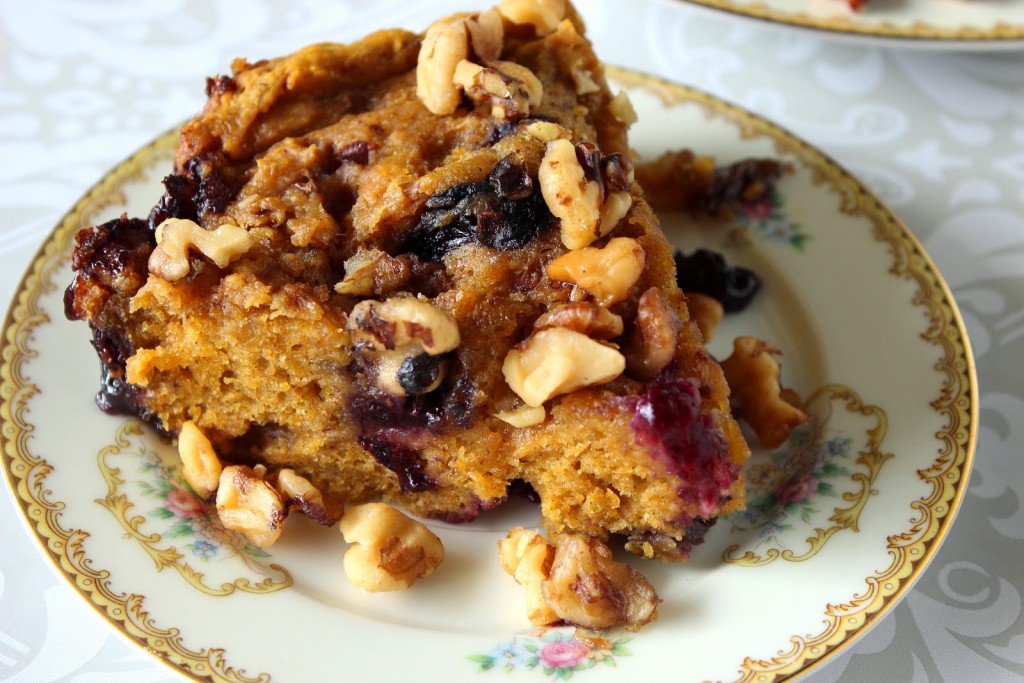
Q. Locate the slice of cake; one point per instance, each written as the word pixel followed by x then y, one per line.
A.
pixel 417 268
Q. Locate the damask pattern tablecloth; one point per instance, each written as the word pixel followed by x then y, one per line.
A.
pixel 937 134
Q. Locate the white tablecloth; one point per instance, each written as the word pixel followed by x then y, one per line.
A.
pixel 939 135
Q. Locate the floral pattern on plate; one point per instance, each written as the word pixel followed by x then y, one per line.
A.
pixel 835 456
pixel 554 652
pixel 142 478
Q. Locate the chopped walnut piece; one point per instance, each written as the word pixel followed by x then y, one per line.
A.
pixel 576 581
pixel 486 34
pixel 652 346
pixel 584 81
pixel 527 556
pixel 752 373
pixel 546 131
pixel 557 361
pixel 543 15
pixel 608 272
pixel 511 88
pixel 445 44
pixel 584 317
pixel 405 338
pixel 706 311
pixel 570 197
pixel 247 503
pixel 524 416
pixel 589 194
pixel 201 466
pixel 448 42
pixel 299 494
pixel 622 108
pixel 176 236
pixel 372 272
pixel 389 551
pixel 588 588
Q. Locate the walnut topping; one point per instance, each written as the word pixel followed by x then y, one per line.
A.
pixel 372 272
pixel 569 195
pixel 247 503
pixel 448 42
pixel 389 551
pixel 557 361
pixel 402 321
pixel 752 373
pixel 546 131
pixel 622 108
pixel 652 345
pixel 577 581
pixel 486 34
pixel 176 236
pixel 584 81
pixel 583 317
pixel 608 272
pixel 587 193
pixel 543 15
pixel 525 416
pixel 201 466
pixel 445 44
pixel 405 336
pixel 511 89
pixel 588 588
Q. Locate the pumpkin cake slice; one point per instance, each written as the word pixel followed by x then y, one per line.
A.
pixel 417 268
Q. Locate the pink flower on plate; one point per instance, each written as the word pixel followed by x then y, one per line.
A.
pixel 758 212
pixel 797 489
pixel 563 654
pixel 184 504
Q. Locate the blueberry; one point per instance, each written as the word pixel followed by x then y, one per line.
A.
pixel 419 373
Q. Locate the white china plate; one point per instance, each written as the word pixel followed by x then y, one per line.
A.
pixel 842 520
pixel 946 24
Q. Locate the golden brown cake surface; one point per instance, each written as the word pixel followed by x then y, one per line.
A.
pixel 322 338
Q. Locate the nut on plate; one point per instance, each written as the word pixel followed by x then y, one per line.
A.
pixel 752 373
pixel 299 494
pixel 389 551
pixel 201 466
pixel 446 43
pixel 576 580
pixel 583 317
pixel 512 89
pixel 247 503
pixel 526 556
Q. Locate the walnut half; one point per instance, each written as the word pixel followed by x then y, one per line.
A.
pixel 752 373
pixel 577 581
pixel 389 551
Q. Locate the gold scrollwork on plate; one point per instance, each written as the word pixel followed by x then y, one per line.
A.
pixel 157 484
pixel 857 24
pixel 957 400
pixel 796 481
